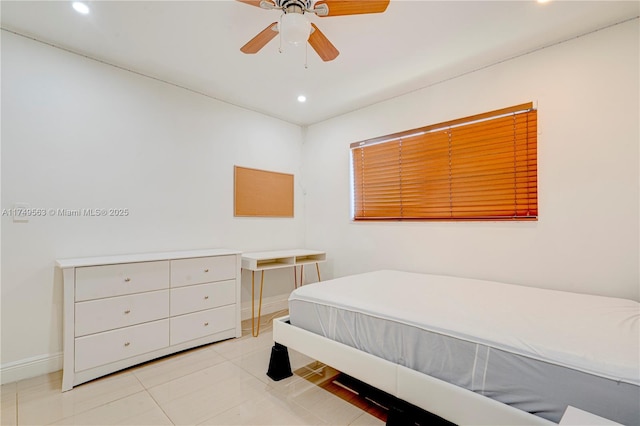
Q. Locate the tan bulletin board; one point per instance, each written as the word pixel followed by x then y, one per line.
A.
pixel 262 193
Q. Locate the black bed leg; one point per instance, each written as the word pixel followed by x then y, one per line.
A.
pixel 279 365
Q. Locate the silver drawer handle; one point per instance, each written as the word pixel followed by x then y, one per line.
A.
pixel 206 270
pixel 206 298
pixel 128 311
pixel 127 343
pixel 126 280
pixel 206 324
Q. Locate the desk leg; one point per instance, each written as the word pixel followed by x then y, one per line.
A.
pixel 301 275
pixel 295 276
pixel 255 331
pixel 318 270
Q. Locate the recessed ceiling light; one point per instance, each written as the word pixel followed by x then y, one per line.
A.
pixel 302 98
pixel 81 7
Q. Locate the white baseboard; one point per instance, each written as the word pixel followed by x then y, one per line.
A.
pixel 269 306
pixel 30 367
pixel 44 364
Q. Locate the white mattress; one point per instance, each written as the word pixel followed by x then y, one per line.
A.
pixel 593 334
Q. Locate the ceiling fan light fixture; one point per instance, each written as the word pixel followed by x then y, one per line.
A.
pixel 294 28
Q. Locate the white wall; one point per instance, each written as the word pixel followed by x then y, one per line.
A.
pixel 76 134
pixel 80 134
pixel 586 238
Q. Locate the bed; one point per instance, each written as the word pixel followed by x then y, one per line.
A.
pixel 473 351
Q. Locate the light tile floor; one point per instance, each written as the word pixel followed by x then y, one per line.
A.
pixel 220 384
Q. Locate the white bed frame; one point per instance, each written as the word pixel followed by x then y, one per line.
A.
pixel 451 402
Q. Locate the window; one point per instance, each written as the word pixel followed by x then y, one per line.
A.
pixel 482 167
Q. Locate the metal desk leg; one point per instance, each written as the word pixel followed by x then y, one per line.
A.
pixel 255 331
pixel 295 275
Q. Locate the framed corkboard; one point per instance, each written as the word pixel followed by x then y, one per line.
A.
pixel 262 193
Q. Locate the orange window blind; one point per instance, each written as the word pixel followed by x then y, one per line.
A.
pixel 482 167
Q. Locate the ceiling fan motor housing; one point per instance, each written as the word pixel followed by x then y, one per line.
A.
pixel 294 6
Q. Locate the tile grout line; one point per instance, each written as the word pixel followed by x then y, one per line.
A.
pixel 159 406
pixel 146 389
pixel 96 407
pixel 82 411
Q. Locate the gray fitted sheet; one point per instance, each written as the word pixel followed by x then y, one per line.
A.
pixel 538 387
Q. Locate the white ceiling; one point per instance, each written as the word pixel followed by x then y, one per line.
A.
pixel 415 43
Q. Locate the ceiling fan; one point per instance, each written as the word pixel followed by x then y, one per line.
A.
pixel 294 27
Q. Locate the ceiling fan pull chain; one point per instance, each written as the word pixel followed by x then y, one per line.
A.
pixel 306 56
pixel 280 34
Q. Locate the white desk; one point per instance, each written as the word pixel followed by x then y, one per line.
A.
pixel 265 260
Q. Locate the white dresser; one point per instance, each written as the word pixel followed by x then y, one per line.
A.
pixel 123 310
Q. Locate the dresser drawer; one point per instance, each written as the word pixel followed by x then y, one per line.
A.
pixel 200 324
pixel 94 316
pixel 103 348
pixel 202 296
pixel 201 270
pixel 95 282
